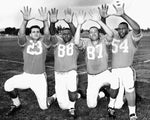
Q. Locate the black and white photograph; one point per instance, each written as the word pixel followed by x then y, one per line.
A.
pixel 74 60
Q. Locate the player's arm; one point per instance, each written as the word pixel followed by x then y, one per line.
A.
pixel 103 11
pixel 134 25
pixel 53 13
pixel 44 18
pixel 69 20
pixel 96 18
pixel 80 21
pixel 26 12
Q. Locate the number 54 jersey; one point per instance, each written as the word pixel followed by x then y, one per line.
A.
pixel 123 50
pixel 65 55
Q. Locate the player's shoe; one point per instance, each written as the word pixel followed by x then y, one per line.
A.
pixel 72 112
pixel 111 112
pixel 50 101
pixel 133 116
pixel 13 110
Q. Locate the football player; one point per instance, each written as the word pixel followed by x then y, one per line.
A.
pixel 124 46
pixel 34 47
pixel 65 66
pixel 96 59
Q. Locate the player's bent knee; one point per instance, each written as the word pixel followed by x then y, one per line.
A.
pixel 91 104
pixel 130 90
pixel 63 106
pixel 73 96
pixel 8 86
pixel 43 107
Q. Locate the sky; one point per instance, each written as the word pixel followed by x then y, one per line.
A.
pixel 10 15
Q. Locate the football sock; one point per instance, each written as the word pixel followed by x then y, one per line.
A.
pixel 16 101
pixel 131 109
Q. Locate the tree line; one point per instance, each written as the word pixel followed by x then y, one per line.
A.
pixel 14 31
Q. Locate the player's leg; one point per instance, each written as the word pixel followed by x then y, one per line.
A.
pixel 61 90
pixel 128 82
pixel 72 91
pixel 109 78
pixel 120 97
pixel 39 87
pixel 82 84
pixel 10 86
pixel 94 84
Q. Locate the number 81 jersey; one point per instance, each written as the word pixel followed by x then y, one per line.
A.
pixel 123 51
pixel 65 55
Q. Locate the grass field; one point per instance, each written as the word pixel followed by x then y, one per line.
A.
pixel 11 64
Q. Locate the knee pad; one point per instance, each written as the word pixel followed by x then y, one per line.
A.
pixel 73 96
pixel 130 90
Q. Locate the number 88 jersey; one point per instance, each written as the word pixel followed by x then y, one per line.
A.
pixel 65 55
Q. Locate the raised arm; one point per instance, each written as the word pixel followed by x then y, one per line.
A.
pixel 69 20
pixel 26 12
pixel 120 12
pixel 80 21
pixel 44 18
pixel 53 19
pixel 97 18
pixel 103 11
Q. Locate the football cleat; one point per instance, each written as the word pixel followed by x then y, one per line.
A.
pixel 111 112
pixel 50 101
pixel 133 116
pixel 13 110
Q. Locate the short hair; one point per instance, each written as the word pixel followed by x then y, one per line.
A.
pixel 124 23
pixel 34 26
pixel 94 27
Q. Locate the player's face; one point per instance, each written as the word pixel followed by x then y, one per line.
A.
pixel 94 34
pixel 122 30
pixel 35 33
pixel 66 35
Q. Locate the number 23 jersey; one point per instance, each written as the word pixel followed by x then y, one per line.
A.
pixel 34 53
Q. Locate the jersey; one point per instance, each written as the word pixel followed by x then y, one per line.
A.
pixel 123 50
pixel 96 55
pixel 65 55
pixel 34 53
